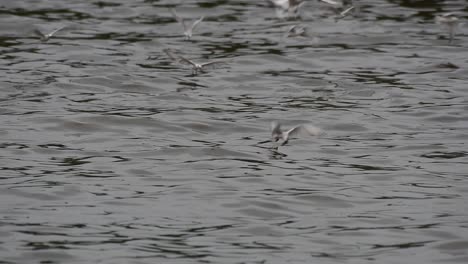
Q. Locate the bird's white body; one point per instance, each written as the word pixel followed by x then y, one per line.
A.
pixel 278 134
pixel 451 21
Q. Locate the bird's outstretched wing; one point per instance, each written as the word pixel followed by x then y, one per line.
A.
pixel 448 14
pixel 330 2
pixel 178 58
pixel 304 130
pixel 172 55
pixel 275 128
pixel 194 24
pixel 55 31
pixel 296 2
pixel 38 33
pixel 346 11
pixel 183 60
pixel 212 64
pixel 446 18
pixel 178 18
pixel 283 4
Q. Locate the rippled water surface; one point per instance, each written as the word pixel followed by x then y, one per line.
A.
pixel 112 153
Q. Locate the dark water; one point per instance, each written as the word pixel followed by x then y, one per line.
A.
pixel 111 153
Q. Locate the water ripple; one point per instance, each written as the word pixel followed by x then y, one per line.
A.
pixel 111 152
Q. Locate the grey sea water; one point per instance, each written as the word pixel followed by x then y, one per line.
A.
pixel 112 153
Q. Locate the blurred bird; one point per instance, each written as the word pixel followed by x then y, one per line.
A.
pixel 188 28
pixel 331 2
pixel 344 13
pixel 295 31
pixel 449 20
pixel 45 37
pixel 278 134
pixel 287 8
pixel 196 67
